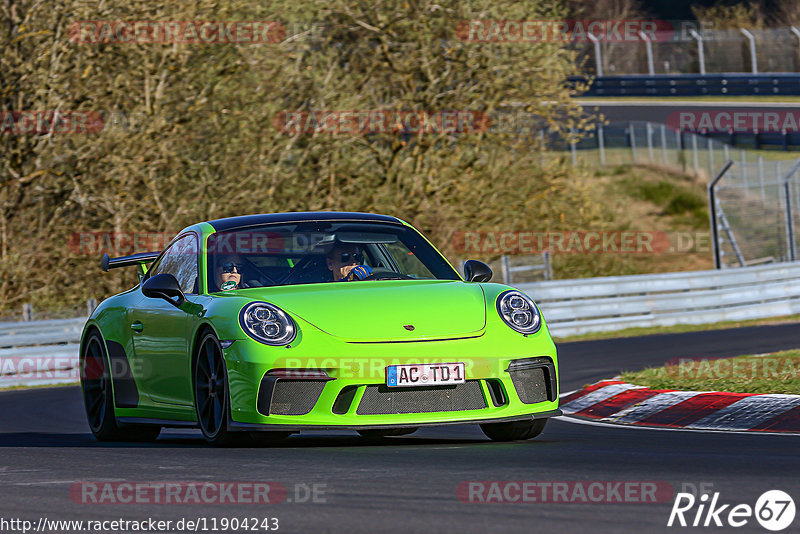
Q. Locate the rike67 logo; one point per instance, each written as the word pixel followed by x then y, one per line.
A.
pixel 774 510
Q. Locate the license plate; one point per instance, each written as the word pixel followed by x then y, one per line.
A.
pixel 424 374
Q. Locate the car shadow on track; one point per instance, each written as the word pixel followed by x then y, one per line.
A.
pixel 47 439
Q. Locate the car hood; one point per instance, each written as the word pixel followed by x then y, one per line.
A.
pixel 387 310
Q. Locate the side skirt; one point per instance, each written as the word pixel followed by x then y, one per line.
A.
pixel 166 423
pixel 233 425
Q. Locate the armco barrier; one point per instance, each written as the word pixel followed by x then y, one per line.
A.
pixel 39 352
pixel 692 84
pixel 573 307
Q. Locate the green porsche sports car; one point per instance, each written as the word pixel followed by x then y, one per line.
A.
pixel 253 328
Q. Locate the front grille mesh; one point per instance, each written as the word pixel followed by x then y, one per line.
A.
pixel 295 397
pixel 530 385
pixel 379 400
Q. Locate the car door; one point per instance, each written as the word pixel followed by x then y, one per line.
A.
pixel 162 363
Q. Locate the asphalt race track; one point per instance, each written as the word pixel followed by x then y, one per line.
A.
pixel 408 484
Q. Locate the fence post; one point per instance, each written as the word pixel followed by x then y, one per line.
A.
pixel 778 174
pixel 633 141
pixel 649 134
pixel 789 221
pixel 696 159
pixel 601 144
pixel 796 194
pixel 505 267
pixel 700 53
pixel 796 32
pixel 91 304
pixel 761 178
pixel 753 59
pixel 541 140
pixel 572 147
pixel 597 53
pixel 649 49
pixel 710 156
pixel 712 211
pixel 27 311
pixel 744 169
pixel 548 267
pixel 664 144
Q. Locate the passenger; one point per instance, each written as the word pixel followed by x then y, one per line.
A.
pixel 229 273
pixel 346 263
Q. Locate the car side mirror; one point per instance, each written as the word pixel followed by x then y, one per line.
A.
pixel 477 271
pixel 163 286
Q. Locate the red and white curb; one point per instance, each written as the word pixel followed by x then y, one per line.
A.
pixel 614 401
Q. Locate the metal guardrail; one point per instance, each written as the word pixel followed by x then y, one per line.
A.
pixel 508 270
pixel 571 307
pixel 39 352
pixel 574 307
pixel 14 334
pixel 691 84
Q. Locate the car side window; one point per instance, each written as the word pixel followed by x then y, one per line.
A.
pixel 180 260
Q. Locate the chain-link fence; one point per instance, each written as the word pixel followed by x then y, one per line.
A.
pixel 756 200
pixel 756 218
pixel 701 51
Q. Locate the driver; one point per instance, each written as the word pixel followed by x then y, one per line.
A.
pixel 229 273
pixel 346 263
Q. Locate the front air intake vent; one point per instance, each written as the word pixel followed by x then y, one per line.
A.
pixel 382 400
pixel 534 379
pixel 286 396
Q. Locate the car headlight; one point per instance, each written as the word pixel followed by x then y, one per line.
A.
pixel 519 311
pixel 267 324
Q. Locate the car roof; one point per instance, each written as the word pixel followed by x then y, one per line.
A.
pixel 242 221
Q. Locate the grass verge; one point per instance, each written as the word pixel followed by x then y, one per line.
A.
pixel 778 372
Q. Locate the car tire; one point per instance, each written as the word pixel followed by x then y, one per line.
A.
pixel 514 431
pixel 98 397
pixel 211 399
pixel 379 433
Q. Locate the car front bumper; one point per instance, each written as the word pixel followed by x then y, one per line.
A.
pixel 508 378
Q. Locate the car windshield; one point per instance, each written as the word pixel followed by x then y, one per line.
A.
pixel 318 252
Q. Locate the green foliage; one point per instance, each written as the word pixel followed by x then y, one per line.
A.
pixel 672 196
pixel 659 193
pixel 771 373
pixel 684 201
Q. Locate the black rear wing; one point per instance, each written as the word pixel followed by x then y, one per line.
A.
pixel 139 259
